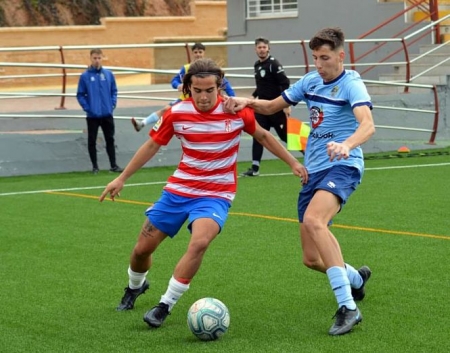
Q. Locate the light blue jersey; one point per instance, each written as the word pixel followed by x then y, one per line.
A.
pixel 330 106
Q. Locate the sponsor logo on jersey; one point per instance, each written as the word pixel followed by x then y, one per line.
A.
pixel 327 135
pixel 316 116
pixel 158 124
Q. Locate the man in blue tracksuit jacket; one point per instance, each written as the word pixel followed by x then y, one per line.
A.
pixel 97 95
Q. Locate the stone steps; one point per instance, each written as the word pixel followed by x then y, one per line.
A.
pixel 416 69
pixel 380 90
pixel 424 80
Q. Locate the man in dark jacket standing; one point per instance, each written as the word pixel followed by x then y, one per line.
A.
pixel 270 80
pixel 97 95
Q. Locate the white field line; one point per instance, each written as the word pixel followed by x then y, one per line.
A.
pixel 164 182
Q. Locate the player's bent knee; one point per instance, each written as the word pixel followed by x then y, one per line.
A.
pixel 311 225
pixel 199 246
pixel 141 253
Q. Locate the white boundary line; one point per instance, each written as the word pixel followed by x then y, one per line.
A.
pixel 164 182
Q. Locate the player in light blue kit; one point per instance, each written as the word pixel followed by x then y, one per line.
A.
pixel 341 120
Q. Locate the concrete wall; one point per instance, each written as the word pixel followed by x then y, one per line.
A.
pixel 57 145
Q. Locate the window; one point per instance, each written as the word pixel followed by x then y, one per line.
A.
pixel 271 8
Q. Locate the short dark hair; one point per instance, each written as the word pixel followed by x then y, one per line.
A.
pixel 262 40
pixel 202 68
pixel 96 51
pixel 199 46
pixel 334 37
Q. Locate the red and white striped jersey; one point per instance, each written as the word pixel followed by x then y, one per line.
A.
pixel 210 143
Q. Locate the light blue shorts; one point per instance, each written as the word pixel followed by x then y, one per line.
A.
pixel 339 180
pixel 169 213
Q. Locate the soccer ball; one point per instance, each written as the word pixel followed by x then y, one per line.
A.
pixel 208 319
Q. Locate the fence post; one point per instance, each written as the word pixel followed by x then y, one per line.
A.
pixel 436 117
pixel 305 56
pixel 351 50
pixel 188 53
pixel 408 65
pixel 434 16
pixel 64 81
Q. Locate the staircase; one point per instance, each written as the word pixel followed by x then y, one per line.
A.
pixel 435 76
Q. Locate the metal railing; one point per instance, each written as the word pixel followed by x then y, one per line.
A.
pixel 132 95
pixel 354 62
pixel 404 47
pixel 230 71
pixel 431 11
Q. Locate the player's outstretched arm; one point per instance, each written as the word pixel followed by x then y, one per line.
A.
pixel 235 104
pixel 262 106
pixel 266 139
pixel 267 107
pixel 142 156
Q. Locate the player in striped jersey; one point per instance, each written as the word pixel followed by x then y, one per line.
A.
pixel 202 187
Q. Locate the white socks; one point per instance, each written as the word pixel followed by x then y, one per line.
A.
pixel 136 279
pixel 174 292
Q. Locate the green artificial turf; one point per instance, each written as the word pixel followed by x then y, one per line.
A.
pixel 64 259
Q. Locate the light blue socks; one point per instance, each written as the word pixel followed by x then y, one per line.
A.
pixel 354 277
pixel 151 119
pixel 341 286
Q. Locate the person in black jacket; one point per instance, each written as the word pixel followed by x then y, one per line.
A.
pixel 270 80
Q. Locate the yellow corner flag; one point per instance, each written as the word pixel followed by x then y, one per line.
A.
pixel 297 134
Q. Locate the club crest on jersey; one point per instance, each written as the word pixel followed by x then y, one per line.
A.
pixel 262 73
pixel 334 91
pixel 316 116
pixel 158 124
pixel 228 125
